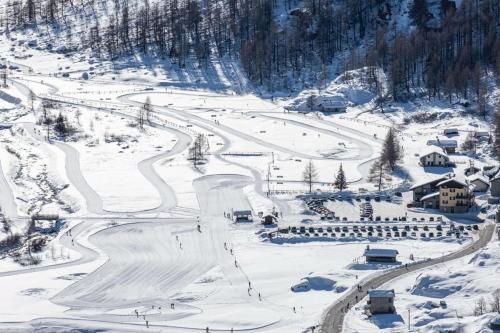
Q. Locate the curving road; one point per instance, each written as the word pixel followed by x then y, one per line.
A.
pixel 186 115
pixel 333 318
pixel 92 198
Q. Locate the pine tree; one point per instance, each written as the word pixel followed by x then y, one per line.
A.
pixel 310 175
pixel 380 173
pixel 147 109
pixel 419 13
pixel 340 180
pixel 391 151
pixel 60 125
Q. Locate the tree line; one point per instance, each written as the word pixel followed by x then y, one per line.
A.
pixel 444 55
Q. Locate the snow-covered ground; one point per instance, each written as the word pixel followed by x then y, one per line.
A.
pixel 146 238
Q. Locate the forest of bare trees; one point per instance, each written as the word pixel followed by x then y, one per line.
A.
pixel 444 56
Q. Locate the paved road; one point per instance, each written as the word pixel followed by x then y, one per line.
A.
pixel 333 319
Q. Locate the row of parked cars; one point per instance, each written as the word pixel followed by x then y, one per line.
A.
pixel 381 231
pixel 317 207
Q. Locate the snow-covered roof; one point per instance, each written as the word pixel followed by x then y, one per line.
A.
pixel 431 150
pixel 430 195
pixel 481 133
pixel 443 143
pixel 480 178
pixel 455 180
pixel 381 253
pixel 381 293
pixel 427 182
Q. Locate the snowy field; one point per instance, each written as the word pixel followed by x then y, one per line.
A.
pixel 146 239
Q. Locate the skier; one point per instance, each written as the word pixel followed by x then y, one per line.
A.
pixel 260 298
pixel 235 263
pixel 225 246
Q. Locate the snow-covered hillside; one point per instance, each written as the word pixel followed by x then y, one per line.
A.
pixel 123 181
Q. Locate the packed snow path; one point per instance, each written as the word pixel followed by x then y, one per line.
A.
pixel 333 319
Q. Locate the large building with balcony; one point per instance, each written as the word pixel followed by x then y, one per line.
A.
pixel 455 196
pixel 447 194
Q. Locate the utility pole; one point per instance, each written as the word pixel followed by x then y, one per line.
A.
pixel 268 179
pixel 408 319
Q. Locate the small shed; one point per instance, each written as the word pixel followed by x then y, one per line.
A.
pixel 480 183
pixel 481 135
pixel 269 219
pixel 380 255
pixel 495 185
pixel 381 301
pixel 449 146
pixel 242 215
pixel 450 131
pixel 332 104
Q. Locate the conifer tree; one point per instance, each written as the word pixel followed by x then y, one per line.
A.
pixel 391 151
pixel 380 174
pixel 340 180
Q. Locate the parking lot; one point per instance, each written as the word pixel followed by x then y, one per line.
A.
pixel 365 208
pixel 384 231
